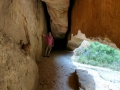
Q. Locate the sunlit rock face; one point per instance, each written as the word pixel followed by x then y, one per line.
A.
pixel 24 21
pixel 97 18
pixel 58 11
pixel 77 40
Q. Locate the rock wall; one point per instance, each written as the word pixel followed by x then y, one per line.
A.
pixel 17 70
pixel 58 11
pixel 24 21
pixel 97 18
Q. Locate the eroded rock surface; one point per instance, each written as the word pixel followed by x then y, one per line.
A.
pixel 24 21
pixel 101 77
pixel 77 40
pixel 91 81
pixel 97 18
pixel 17 70
pixel 58 11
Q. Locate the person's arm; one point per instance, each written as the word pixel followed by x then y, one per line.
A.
pixel 43 35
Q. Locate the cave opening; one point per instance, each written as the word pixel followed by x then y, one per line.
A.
pixel 47 16
pixel 59 43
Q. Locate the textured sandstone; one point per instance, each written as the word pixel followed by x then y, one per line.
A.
pixel 58 11
pixel 97 18
pixel 77 40
pixel 92 81
pixel 17 70
pixel 24 22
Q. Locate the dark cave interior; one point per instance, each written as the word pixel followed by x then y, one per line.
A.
pixel 59 43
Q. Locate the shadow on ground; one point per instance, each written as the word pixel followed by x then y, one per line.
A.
pixel 57 72
pixel 73 81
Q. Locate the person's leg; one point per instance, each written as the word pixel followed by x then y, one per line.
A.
pixel 49 50
pixel 46 50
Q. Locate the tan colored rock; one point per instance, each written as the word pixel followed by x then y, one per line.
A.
pixel 17 70
pixel 58 11
pixel 76 40
pixel 24 22
pixel 97 18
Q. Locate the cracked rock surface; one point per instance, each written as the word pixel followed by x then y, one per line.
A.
pixel 17 70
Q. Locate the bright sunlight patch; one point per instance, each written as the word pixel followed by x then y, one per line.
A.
pixel 98 54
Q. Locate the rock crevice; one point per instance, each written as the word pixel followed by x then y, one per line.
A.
pixel 58 11
pixel 17 70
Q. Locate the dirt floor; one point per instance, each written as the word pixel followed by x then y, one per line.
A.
pixel 58 72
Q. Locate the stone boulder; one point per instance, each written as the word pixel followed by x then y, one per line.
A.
pixel 58 11
pixel 91 81
pixel 24 21
pixel 76 40
pixel 17 70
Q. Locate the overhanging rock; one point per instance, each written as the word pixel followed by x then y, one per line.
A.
pixel 58 11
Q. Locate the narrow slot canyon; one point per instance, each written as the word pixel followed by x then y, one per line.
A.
pixel 57 71
pixel 71 22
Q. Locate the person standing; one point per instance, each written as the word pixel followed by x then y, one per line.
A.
pixel 49 44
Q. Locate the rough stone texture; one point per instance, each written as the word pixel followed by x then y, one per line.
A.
pixel 58 11
pixel 24 20
pixel 85 80
pixel 109 77
pixel 97 18
pixel 17 70
pixel 91 81
pixel 78 39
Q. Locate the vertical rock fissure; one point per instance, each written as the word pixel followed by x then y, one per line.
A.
pixel 47 17
pixel 27 45
pixel 69 21
pixel 69 16
pixel 37 1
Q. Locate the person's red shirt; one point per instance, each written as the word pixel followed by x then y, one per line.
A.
pixel 49 40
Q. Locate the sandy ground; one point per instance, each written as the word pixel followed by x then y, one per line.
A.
pixel 58 72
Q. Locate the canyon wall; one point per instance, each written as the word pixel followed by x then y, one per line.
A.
pixel 58 11
pixel 97 18
pixel 18 71
pixel 24 21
